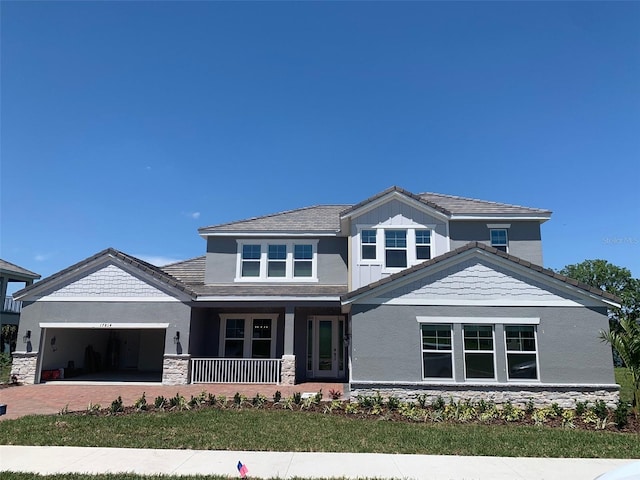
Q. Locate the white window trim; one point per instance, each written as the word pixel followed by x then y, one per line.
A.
pixel 453 359
pixel 248 331
pixel 264 261
pixel 472 352
pixel 517 352
pixel 381 245
pixel 506 234
pixel 482 320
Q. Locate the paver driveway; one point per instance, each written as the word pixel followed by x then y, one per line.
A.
pixel 48 398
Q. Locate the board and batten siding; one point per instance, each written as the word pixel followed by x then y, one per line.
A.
pixel 389 215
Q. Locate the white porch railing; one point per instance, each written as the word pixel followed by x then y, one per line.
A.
pixel 235 370
pixel 11 306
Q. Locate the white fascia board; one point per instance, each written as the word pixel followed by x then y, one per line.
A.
pixel 481 217
pixel 482 320
pixel 213 298
pixel 397 196
pixel 104 325
pixel 492 302
pixel 270 234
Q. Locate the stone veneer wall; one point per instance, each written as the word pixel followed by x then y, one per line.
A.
pixel 564 396
pixel 24 367
pixel 175 369
pixel 288 370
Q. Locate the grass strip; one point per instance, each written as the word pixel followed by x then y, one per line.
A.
pixel 283 430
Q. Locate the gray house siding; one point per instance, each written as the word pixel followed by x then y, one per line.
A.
pixel 386 342
pixel 524 237
pixel 222 256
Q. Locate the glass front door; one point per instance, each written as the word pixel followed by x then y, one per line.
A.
pixel 326 347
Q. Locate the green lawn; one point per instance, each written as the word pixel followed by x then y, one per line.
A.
pixel 284 430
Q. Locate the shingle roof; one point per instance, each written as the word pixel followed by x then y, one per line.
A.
pixel 190 272
pixel 148 268
pixel 481 246
pixel 13 269
pixel 319 218
pixel 326 218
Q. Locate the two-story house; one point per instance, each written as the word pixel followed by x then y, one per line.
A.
pixel 402 293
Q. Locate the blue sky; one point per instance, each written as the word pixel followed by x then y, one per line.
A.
pixel 131 124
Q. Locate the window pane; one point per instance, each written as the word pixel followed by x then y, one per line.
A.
pixel 479 365
pixel 437 365
pixel 234 348
pixel 423 236
pixel 277 252
pixel 368 252
pixel 262 328
pixel 250 269
pixel 396 238
pixel 368 236
pixel 520 338
pixel 302 269
pixel 302 252
pixel 235 328
pixel 499 239
pixel 396 258
pixel 277 269
pixel 436 337
pixel 261 349
pixel 251 252
pixel 423 253
pixel 522 365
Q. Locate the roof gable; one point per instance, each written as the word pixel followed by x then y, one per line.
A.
pixel 14 272
pixel 477 274
pixel 108 274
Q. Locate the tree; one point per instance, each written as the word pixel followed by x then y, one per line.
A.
pixel 626 342
pixel 613 279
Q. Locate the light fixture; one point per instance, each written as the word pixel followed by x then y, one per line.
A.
pixel 176 339
pixel 27 337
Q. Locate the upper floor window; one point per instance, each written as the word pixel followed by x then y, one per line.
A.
pixel 423 244
pixel 499 239
pixel 395 245
pixel 277 261
pixel 368 241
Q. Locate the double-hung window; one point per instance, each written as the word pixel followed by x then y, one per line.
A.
pixel 277 261
pixel 395 243
pixel 499 239
pixel 437 351
pixel 423 244
pixel 248 336
pixel 521 352
pixel 368 244
pixel 266 261
pixel 479 352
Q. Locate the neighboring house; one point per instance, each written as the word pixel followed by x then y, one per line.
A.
pixel 10 309
pixel 402 294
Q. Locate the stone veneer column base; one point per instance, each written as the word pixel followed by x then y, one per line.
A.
pixel 24 367
pixel 541 395
pixel 176 369
pixel 288 370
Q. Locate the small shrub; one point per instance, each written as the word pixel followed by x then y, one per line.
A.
pixel 581 407
pixel 438 403
pixel 237 399
pixel 557 409
pixel 116 405
pixel 511 413
pixel 335 394
pixel 211 399
pixel 178 402
pixel 141 403
pixel 297 398
pixel 64 410
pixel 93 408
pixel 600 409
pixel 351 408
pixel 259 401
pixel 393 403
pixel 277 396
pixel 621 414
pixel 318 396
pixel 529 407
pixel 567 418
pixel 160 402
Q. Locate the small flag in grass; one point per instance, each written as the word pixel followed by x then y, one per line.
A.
pixel 242 469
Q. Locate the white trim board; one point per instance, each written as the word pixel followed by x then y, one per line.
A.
pixel 163 299
pixel 104 325
pixel 482 320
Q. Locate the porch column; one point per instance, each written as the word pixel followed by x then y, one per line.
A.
pixel 288 371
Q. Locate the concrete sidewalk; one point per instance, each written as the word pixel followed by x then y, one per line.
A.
pixel 51 460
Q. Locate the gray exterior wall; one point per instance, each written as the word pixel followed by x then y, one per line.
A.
pixel 524 237
pixel 222 255
pixel 386 342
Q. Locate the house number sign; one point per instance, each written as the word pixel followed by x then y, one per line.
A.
pixel 105 325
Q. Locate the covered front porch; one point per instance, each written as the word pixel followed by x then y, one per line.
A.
pixel 279 344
